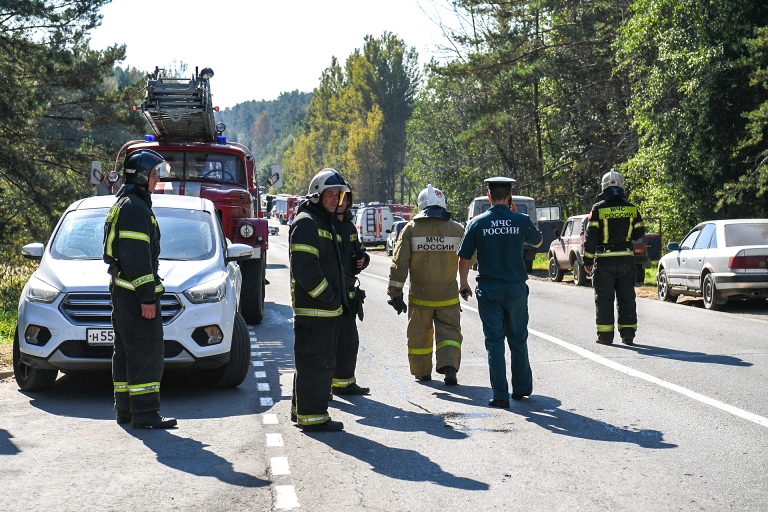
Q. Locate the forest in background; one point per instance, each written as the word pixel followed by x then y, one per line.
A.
pixel 672 93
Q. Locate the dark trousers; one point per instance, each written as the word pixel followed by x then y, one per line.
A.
pixel 503 309
pixel 137 360
pixel 314 352
pixel 346 352
pixel 614 279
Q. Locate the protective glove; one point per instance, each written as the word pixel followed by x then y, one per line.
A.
pixel 398 303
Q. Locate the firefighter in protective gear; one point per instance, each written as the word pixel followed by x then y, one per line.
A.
pixel 497 237
pixel 613 223
pixel 427 249
pixel 356 259
pixel 318 288
pixel 132 249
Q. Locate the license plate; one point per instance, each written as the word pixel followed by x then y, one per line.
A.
pixel 100 336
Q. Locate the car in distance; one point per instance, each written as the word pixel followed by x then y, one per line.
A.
pixel 717 260
pixel 273 230
pixel 393 235
pixel 566 252
pixel 64 315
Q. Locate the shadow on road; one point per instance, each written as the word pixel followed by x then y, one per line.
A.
pixel 683 355
pixel 380 415
pixel 6 445
pixel 191 457
pixel 397 463
pixel 544 411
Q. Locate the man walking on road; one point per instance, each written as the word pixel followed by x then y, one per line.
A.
pixel 132 249
pixel 613 223
pixel 498 237
pixel 426 249
pixel 319 299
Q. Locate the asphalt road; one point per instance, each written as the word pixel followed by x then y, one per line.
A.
pixel 677 422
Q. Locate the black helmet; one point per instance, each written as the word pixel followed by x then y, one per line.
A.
pixel 139 165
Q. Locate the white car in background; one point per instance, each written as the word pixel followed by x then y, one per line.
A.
pixel 64 317
pixel 717 260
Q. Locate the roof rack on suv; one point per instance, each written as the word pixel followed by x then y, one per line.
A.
pixel 179 109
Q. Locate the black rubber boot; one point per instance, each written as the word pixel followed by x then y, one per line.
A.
pixel 328 426
pixel 450 376
pixel 123 417
pixel 352 389
pixel 151 419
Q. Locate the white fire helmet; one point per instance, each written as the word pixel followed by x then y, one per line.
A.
pixel 612 179
pixel 327 179
pixel 431 196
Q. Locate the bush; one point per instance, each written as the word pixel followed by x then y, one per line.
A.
pixel 12 281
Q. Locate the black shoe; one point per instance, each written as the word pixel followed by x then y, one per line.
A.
pixel 604 341
pixel 151 419
pixel 123 417
pixel 520 396
pixel 294 418
pixel 327 426
pixel 352 389
pixel 450 376
pixel 499 402
pixel 424 378
pixel 627 341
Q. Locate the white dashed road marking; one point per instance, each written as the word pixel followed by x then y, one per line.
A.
pixel 286 497
pixel 279 466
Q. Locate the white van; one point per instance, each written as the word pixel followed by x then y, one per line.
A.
pixel 546 218
pixel 373 223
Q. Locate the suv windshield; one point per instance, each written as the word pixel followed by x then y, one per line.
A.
pixel 185 235
pixel 221 167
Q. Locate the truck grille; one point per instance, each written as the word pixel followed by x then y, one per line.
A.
pixel 95 309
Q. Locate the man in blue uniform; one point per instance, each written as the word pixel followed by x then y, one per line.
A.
pixel 498 237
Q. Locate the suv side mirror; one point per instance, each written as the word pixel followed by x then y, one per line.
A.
pixel 238 252
pixel 673 246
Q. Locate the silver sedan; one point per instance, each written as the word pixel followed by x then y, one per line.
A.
pixel 717 260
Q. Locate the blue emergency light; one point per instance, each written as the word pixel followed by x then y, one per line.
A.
pixel 149 138
pixel 221 139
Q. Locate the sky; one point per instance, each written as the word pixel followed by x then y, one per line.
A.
pixel 260 48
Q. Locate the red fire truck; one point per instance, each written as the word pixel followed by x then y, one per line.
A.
pixel 284 207
pixel 406 211
pixel 204 164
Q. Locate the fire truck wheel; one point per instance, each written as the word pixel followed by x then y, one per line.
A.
pixel 28 378
pixel 252 292
pixel 234 372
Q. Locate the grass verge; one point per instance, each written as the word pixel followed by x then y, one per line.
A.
pixel 7 325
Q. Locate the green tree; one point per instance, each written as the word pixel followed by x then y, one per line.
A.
pixel 689 66
pixel 61 106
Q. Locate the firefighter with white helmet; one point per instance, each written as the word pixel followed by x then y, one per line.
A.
pixel 318 287
pixel 613 223
pixel 427 249
pixel 132 249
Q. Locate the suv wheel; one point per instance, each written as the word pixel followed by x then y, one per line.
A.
pixel 252 291
pixel 709 293
pixel 579 274
pixel 27 377
pixel 555 272
pixel 234 372
pixel 662 287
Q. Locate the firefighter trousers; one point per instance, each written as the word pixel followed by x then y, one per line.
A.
pixel 314 352
pixel 438 327
pixel 346 352
pixel 614 278
pixel 137 359
pixel 503 309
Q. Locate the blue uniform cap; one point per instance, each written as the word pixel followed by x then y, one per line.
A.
pixel 499 181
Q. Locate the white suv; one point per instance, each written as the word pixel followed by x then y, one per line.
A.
pixel 64 320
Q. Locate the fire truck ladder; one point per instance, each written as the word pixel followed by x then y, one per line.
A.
pixel 179 109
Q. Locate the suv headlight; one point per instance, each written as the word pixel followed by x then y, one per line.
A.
pixel 40 291
pixel 211 291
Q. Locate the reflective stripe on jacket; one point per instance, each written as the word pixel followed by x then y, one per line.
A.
pixel 132 242
pixel 316 269
pixel 427 249
pixel 612 225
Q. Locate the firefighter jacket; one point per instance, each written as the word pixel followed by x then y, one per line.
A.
pixel 427 249
pixel 613 223
pixel 132 244
pixel 317 268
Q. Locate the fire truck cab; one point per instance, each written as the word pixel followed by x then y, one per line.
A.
pixel 203 164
